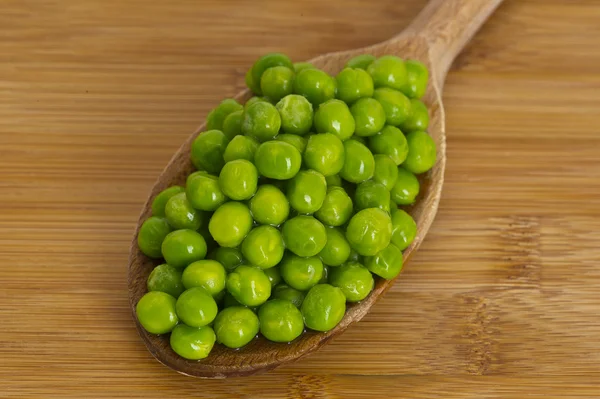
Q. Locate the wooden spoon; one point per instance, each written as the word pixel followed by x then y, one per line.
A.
pixel 435 37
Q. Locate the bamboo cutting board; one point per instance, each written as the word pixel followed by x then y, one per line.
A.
pixel 503 298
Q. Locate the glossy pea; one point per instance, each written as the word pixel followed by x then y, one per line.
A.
pixel 230 224
pixel 159 202
pixel 396 105
pixel 370 194
pixel 361 61
pixel 325 153
pixel 334 116
pixel 204 193
pixel 323 307
pixel 301 273
pixel 207 151
pixel 278 160
pixel 416 79
pixel 265 62
pixel 299 66
pixel 304 235
pixel 276 82
pixel 269 205
pixel 418 118
pixel 406 189
pixel 217 116
pixel 284 291
pixel 280 321
pixel 156 312
pixel 230 258
pixel 337 249
pixel 355 281
pixel 422 152
pixel 251 84
pixel 316 85
pixel 180 213
pixel 208 274
pixel 263 247
pixel 196 307
pixel 297 141
pixel 165 278
pixel 388 71
pixel 182 247
pixel 387 263
pixel 261 121
pixel 296 114
pixel 306 191
pixel 249 285
pixel 236 326
pixel 369 231
pixel 386 171
pixel 324 277
pixel 241 147
pixel 274 275
pixel 255 99
pixel 404 229
pixel 151 236
pixel 333 181
pixel 337 207
pixel 232 125
pixel 192 343
pixel 359 164
pixel 369 116
pixel 239 179
pixel 352 84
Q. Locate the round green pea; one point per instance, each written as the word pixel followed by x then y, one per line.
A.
pixel 333 181
pixel 296 114
pixel 251 84
pixel 217 116
pixel 387 263
pixel 182 247
pixel 370 194
pixel 416 81
pixel 299 66
pixel 396 105
pixel 337 207
pixel 207 151
pixel 369 231
pixel 361 61
pixel 230 224
pixel 334 116
pixel 337 249
pixel 261 121
pixel 203 192
pixel 239 179
pixel 230 258
pixel 232 125
pixel 196 307
pixel 249 285
pixel 274 275
pixel 263 247
pixel 323 307
pixel 276 82
pixel 255 99
pixel 236 326
pixel 388 71
pixel 352 84
pixel 418 118
pixel 278 160
pixel 355 281
pixel 284 291
pixel 324 153
pixel 297 141
pixel 151 236
pixel 301 273
pixel 165 278
pixel 324 279
pixel 386 171
pixel 208 274
pixel 304 235
pixel 404 229
pixel 241 147
pixel 156 312
pixel 192 343
pixel 369 116
pixel 421 152
pixel 406 188
pixel 160 201
pixel 316 85
pixel 280 321
pixel 306 191
pixel 265 62
pixel 181 214
pixel 269 205
pixel 359 164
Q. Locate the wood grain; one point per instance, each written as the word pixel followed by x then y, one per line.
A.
pixel 500 301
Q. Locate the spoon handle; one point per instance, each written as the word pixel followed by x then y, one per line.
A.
pixel 447 26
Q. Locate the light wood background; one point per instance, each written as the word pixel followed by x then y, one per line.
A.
pixel 503 299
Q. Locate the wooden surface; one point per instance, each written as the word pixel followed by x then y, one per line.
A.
pixel 501 300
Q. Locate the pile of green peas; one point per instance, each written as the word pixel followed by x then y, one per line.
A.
pixel 294 208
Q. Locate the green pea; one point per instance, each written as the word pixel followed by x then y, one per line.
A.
pixel 418 118
pixel 181 214
pixel 196 307
pixel 370 194
pixel 269 205
pixel 421 152
pixel 387 263
pixel 301 273
pixel 265 62
pixel 232 125
pixel 354 256
pixel 396 105
pixel 386 171
pixel 160 201
pixel 276 82
pixel 203 192
pixel 207 151
pixel 337 248
pixel 406 189
pixel 261 121
pixel 359 164
pixel 251 84
pixel 362 140
pixel 280 321
pixel 165 278
pixel 296 114
pixel 284 291
pixel 156 312
pixel 274 275
pixel 369 231
pixel 355 281
pixel 334 116
pixel 230 258
pixel 278 160
pixel 316 85
pixel 205 233
pixel 323 307
pixel 236 326
pixel 208 274
pixel 369 116
pixel 417 77
pixel 337 207
pixel 241 147
pixel 217 116
pixel 324 279
pixel 361 61
pixel 404 229
pixel 151 236
pixel 239 179
pixel 249 285
pixel 304 235
pixel 263 247
pixel 182 247
pixel 306 191
pixel 192 343
pixel 324 153
pixel 300 66
pixel 297 141
pixel 255 99
pixel 230 224
pixel 352 84
pixel 333 181
pixel 388 71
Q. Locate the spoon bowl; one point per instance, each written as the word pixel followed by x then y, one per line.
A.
pixel 435 37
